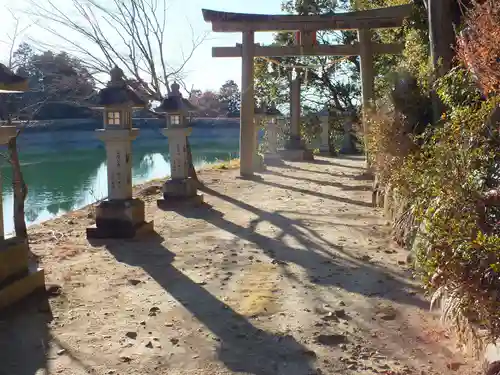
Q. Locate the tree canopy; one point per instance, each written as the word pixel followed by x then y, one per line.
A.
pixel 229 96
pixel 332 80
pixel 59 85
pixel 224 103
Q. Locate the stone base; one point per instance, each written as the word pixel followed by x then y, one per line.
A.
pixel 138 230
pixel 250 177
pixel 120 219
pixel 179 188
pixel 180 193
pixel 297 155
pixel 273 159
pixel 326 153
pixel 258 163
pixel 171 203
pixel 348 146
pixel 26 283
pixel 18 278
pixel 295 143
pixel 14 258
pixel 349 151
pixel 324 149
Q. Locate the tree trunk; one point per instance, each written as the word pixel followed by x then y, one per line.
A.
pixel 442 41
pixel 20 191
pixel 192 171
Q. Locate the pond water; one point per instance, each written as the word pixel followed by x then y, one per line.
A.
pixel 66 170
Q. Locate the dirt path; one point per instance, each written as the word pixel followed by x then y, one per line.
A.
pixel 290 275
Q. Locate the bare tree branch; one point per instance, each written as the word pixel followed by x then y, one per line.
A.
pixel 128 33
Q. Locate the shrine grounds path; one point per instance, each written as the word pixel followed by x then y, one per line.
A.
pixel 294 274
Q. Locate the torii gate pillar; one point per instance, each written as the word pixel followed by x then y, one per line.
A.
pixel 247 137
pixel 366 63
pixel 367 79
pixel 295 149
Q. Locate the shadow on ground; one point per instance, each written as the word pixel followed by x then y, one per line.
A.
pixel 325 262
pixel 298 169
pixel 25 337
pixel 323 182
pixel 327 160
pixel 316 194
pixel 243 347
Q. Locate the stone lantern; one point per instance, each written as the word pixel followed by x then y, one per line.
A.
pixel 258 159
pixel 348 141
pixel 272 115
pixel 120 216
pixel 19 276
pixel 180 188
pixel 324 138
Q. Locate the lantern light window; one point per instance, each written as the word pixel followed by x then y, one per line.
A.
pixel 175 119
pixel 113 118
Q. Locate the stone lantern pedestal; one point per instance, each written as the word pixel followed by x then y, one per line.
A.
pixel 296 150
pixel 348 143
pixel 19 276
pixel 258 159
pixel 324 138
pixel 180 189
pixel 324 145
pixel 270 115
pixel 272 156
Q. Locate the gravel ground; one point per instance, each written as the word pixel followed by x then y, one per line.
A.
pixel 292 274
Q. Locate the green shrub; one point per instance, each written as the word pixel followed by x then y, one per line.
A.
pixel 449 173
pixel 447 182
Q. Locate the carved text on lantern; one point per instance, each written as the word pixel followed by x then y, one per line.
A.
pixel 118 173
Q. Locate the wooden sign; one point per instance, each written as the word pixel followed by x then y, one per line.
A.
pixel 305 38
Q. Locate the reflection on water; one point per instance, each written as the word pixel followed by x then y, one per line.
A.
pixel 62 178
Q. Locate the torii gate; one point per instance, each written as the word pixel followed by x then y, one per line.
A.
pixel 248 24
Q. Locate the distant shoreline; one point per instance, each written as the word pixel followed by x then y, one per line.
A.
pixel 141 123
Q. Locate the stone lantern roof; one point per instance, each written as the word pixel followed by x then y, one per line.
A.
pixel 11 82
pixel 271 110
pixel 118 92
pixel 174 102
pixel 259 110
pixel 325 112
pixel 267 110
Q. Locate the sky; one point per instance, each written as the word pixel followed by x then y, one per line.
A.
pixel 184 18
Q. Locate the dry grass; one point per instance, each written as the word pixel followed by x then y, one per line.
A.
pixel 259 291
pixel 388 143
pixel 230 164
